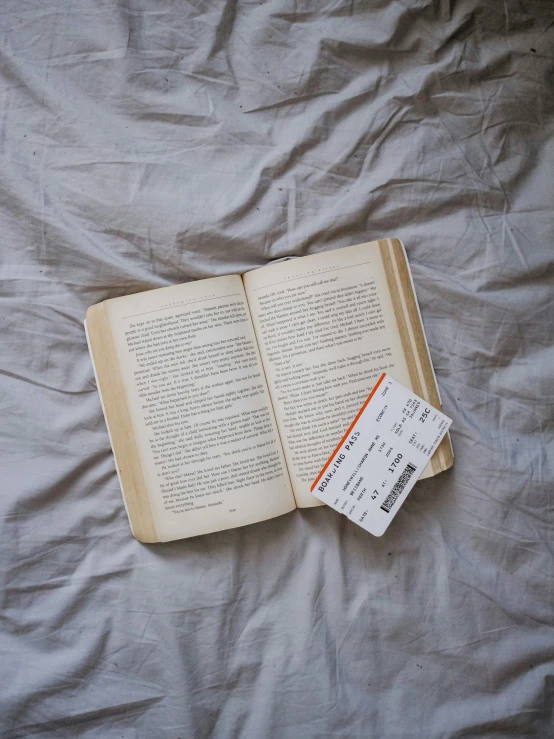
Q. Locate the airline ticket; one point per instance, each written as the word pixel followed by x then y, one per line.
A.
pixel 381 456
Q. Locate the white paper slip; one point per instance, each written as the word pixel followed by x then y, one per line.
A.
pixel 381 456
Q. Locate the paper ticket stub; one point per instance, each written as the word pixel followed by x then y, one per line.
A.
pixel 381 456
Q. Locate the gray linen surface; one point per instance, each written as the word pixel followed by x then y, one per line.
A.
pixel 146 143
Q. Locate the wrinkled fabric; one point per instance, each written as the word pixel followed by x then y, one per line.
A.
pixel 146 144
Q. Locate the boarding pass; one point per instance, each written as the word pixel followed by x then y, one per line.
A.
pixel 381 456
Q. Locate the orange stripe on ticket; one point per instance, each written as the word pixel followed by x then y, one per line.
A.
pixel 354 422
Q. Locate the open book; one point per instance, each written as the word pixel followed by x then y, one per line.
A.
pixel 224 397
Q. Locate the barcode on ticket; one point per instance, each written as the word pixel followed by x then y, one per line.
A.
pixel 398 487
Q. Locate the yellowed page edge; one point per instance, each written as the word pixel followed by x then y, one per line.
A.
pixel 118 422
pixel 416 348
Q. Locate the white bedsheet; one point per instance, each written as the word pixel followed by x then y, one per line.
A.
pixel 148 143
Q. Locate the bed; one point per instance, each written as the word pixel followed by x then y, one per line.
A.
pixel 149 143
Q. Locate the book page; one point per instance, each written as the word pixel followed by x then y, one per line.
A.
pixel 326 330
pixel 200 408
